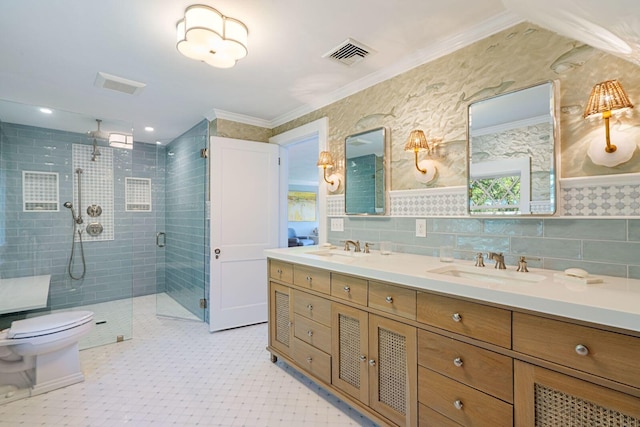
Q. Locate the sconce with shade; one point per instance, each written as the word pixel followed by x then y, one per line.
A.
pixel 425 170
pixel 606 97
pixel 204 34
pixel 325 161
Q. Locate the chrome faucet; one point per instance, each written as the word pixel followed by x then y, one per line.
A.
pixel 498 258
pixel 356 245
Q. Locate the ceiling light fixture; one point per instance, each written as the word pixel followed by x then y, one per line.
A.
pixel 121 140
pixel 204 34
pixel 46 110
pixel 148 129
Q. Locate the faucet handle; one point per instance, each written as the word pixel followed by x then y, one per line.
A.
pixel 479 259
pixel 366 247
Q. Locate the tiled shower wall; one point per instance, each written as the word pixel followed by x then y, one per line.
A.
pixel 601 246
pixel 33 243
pixel 187 234
pixel 40 242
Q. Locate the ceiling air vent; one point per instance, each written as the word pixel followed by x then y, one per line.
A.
pixel 349 52
pixel 120 84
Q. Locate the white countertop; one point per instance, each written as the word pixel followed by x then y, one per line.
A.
pixel 24 293
pixel 614 302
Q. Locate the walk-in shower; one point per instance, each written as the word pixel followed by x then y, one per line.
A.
pixel 77 220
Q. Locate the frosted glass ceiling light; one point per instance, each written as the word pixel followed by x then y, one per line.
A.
pixel 121 140
pixel 204 34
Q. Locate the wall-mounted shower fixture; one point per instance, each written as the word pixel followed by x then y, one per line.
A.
pixel 94 211
pixel 97 134
pixel 77 220
pixel 94 229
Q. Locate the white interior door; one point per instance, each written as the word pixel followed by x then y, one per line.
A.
pixel 244 222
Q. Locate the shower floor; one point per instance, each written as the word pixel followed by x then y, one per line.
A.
pixel 114 319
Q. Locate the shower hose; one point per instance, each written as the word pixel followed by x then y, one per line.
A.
pixel 72 256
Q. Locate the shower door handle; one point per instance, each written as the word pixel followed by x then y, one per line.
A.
pixel 161 243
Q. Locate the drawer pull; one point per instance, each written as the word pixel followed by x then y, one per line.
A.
pixel 347 289
pixel 309 359
pixel 372 362
pixel 458 404
pixel 458 362
pixel 582 350
pixel 456 317
pixel 310 333
pixel 309 307
pixel 279 271
pixel 389 299
pixel 363 358
pixel 309 279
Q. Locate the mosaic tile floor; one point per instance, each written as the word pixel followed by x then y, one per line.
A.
pixel 175 373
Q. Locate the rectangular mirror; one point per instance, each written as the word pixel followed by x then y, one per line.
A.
pixel 365 190
pixel 512 157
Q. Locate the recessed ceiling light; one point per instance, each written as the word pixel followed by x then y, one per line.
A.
pixel 148 129
pixel 46 111
pixel 158 143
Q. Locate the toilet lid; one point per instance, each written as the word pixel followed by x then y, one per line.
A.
pixel 48 324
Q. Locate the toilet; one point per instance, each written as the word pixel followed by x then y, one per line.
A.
pixel 40 354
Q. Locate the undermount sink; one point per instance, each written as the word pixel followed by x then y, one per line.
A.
pixel 337 253
pixel 488 275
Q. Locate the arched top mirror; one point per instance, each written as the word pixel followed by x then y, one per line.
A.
pixel 512 152
pixel 365 190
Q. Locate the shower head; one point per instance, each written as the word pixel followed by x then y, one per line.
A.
pixel 98 133
pixel 68 205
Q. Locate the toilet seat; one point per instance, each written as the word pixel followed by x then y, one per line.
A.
pixel 48 324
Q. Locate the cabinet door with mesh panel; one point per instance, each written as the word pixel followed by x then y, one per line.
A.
pixel 280 318
pixel 393 384
pixel 350 350
pixel 546 398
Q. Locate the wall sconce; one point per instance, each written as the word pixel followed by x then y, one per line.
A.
pixel 606 97
pixel 426 169
pixel 325 161
pixel 204 34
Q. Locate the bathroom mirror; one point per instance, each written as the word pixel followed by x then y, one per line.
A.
pixel 512 154
pixel 366 176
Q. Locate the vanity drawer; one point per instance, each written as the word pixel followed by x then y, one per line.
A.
pixel 392 299
pixel 474 320
pixel 312 278
pixel 461 403
pixel 606 354
pixel 312 307
pixel 427 417
pixel 349 288
pixel 313 360
pixel 479 368
pixel 312 333
pixel 282 271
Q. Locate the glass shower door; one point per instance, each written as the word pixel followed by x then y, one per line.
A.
pixel 182 230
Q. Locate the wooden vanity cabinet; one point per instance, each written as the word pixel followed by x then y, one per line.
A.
pixel 412 358
pixel 374 361
pixel 280 319
pixel 544 398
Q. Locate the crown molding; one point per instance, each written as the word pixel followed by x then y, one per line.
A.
pixel 440 48
pixel 235 117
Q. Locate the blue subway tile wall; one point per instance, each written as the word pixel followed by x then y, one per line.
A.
pixel 601 246
pixel 35 243
pixel 185 223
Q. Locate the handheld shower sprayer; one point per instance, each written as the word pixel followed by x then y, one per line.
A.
pixel 77 219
